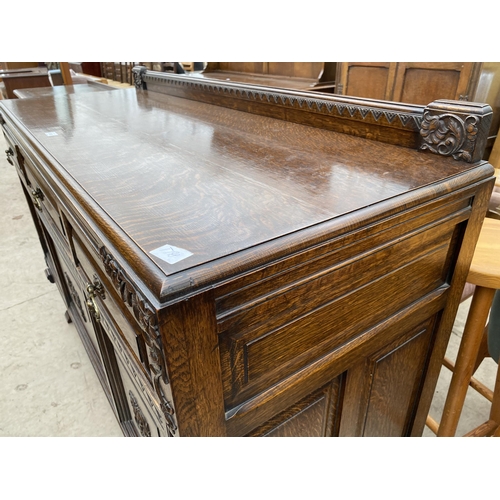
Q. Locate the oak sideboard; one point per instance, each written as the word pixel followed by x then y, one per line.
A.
pixel 241 260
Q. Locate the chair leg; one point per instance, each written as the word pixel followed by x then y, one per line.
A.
pixel 466 358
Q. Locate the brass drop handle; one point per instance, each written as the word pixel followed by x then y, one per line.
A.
pixel 93 290
pixel 37 197
pixel 9 153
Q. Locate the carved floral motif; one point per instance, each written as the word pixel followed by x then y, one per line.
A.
pixel 139 417
pixel 449 135
pixel 146 317
pixel 138 80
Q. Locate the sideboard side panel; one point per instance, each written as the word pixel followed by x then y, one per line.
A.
pixel 460 271
pixel 189 337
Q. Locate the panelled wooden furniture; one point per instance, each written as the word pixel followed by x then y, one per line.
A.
pixel 484 273
pixel 23 79
pixel 317 76
pixel 117 71
pixel 421 83
pixel 87 68
pixel 18 65
pixel 249 261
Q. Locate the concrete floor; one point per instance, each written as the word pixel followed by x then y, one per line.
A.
pixel 47 384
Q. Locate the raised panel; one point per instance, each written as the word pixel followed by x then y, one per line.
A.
pixel 294 326
pixel 422 83
pixel 316 415
pixel 372 80
pixel 379 401
pixel 423 86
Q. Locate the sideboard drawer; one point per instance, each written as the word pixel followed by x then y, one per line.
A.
pixel 14 155
pixel 108 295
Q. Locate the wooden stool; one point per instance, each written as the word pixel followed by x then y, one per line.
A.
pixel 485 274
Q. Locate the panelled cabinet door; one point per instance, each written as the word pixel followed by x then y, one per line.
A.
pixel 382 391
pixel 421 83
pixel 367 79
pixel 410 82
pixel 316 415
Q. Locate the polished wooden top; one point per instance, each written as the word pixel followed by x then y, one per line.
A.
pixel 22 73
pixel 60 90
pixel 213 181
pixel 485 266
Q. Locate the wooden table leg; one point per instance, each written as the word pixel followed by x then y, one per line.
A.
pixel 467 354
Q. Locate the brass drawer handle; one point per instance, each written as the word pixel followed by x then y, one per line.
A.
pixel 95 289
pixel 37 197
pixel 9 153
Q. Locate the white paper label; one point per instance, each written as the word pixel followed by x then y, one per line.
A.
pixel 171 254
pixel 50 134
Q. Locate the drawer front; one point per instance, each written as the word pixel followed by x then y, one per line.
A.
pixel 40 193
pixel 14 155
pixel 90 271
pixel 76 283
pixel 43 197
pixel 291 320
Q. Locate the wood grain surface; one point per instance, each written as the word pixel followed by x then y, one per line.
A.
pixel 215 181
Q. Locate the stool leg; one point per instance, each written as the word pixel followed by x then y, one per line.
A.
pixel 495 405
pixel 467 354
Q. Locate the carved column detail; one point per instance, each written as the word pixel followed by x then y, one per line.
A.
pixel 139 417
pixel 148 321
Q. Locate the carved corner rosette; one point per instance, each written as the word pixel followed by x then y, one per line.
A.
pixel 456 128
pixel 139 72
pixel 148 321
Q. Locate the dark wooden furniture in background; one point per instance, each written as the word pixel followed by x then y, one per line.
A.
pixel 289 75
pixel 18 65
pixel 421 83
pixel 117 71
pixel 242 260
pixel 87 68
pixel 23 79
